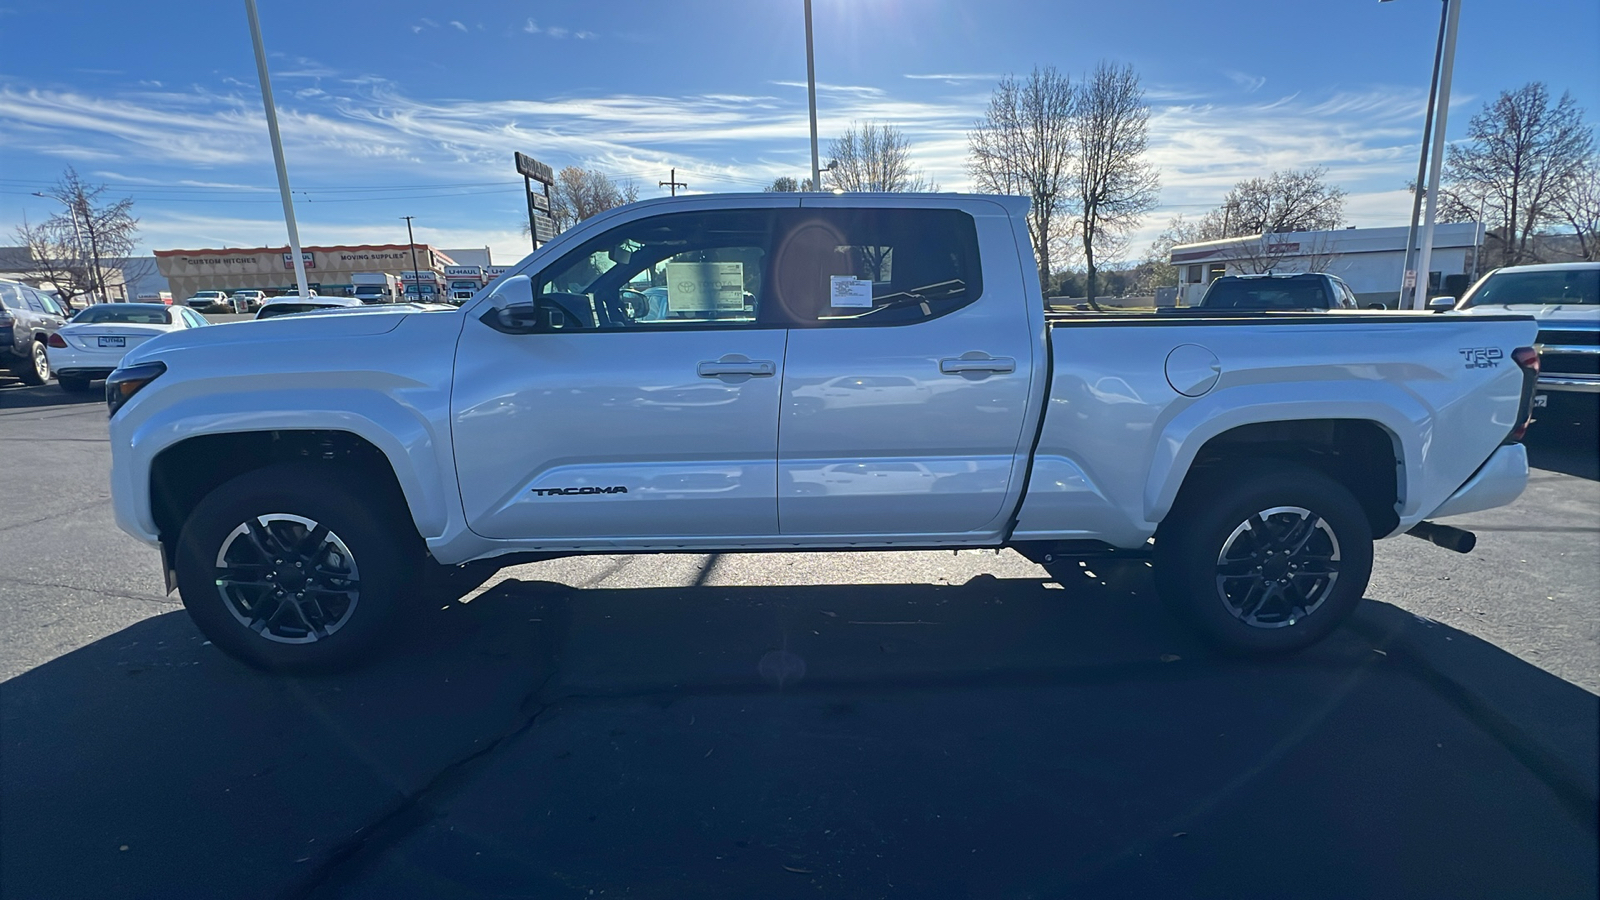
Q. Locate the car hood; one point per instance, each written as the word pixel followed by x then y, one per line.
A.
pixel 1547 312
pixel 282 330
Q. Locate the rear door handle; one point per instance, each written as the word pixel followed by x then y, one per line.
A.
pixel 736 364
pixel 977 363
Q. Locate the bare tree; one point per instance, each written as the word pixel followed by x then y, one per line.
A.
pixel 1266 253
pixel 1114 184
pixel 1284 201
pixel 874 157
pixel 783 184
pixel 1024 145
pixel 1520 155
pixel 53 257
pixel 1578 204
pixel 84 250
pixel 580 193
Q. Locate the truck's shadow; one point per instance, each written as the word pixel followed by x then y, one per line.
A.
pixel 998 738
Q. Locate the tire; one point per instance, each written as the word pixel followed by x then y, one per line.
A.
pixel 72 384
pixel 367 563
pixel 35 368
pixel 1271 596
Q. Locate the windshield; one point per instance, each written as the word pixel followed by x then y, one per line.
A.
pixel 129 313
pixel 1511 287
pixel 1285 293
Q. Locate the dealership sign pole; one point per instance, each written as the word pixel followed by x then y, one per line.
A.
pixel 541 228
pixel 277 146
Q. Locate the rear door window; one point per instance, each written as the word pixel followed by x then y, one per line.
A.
pixel 856 267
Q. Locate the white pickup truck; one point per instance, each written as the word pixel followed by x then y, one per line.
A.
pixel 782 372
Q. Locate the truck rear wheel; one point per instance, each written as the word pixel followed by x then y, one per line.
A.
pixel 297 567
pixel 1264 559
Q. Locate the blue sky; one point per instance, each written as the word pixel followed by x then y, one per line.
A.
pixel 414 107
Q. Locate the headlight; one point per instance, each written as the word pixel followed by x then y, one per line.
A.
pixel 126 381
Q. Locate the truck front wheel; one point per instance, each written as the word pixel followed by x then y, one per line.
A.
pixel 296 567
pixel 1264 559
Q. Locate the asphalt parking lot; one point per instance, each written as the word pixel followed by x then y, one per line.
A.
pixel 848 725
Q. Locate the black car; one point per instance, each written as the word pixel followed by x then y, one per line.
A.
pixel 1309 291
pixel 27 319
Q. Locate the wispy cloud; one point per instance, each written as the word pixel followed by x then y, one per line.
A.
pixel 1250 83
pixel 556 32
pixel 354 129
pixel 956 78
pixel 458 26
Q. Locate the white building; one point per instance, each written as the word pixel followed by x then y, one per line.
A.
pixel 1370 260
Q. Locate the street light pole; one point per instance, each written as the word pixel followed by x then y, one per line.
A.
pixel 277 146
pixel 811 91
pixel 1407 272
pixel 1425 251
pixel 416 276
pixel 77 241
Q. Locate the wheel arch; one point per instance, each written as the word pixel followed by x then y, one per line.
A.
pixel 1362 455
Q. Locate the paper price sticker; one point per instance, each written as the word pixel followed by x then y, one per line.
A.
pixel 849 291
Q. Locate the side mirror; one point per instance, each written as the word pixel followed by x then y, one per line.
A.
pixel 1442 304
pixel 1376 306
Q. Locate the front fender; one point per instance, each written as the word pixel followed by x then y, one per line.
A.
pixel 419 453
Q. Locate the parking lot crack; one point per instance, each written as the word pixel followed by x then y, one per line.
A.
pixel 414 808
pixel 143 598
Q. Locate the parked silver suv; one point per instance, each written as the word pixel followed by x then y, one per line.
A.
pixel 27 319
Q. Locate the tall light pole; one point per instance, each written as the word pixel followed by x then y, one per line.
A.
pixel 811 91
pixel 77 243
pixel 1425 250
pixel 277 146
pixel 1408 274
pixel 416 275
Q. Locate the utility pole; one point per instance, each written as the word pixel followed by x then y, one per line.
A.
pixel 1408 278
pixel 673 183
pixel 1425 251
pixel 811 91
pixel 277 147
pixel 416 276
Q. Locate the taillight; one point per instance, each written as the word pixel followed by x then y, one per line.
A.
pixel 1527 359
pixel 56 341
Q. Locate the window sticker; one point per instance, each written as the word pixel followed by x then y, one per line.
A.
pixel 849 291
pixel 705 286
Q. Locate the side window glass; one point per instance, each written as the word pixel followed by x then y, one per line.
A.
pixel 10 297
pixel 34 301
pixel 855 267
pixel 684 270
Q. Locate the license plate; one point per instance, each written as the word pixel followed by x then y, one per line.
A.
pixel 1540 401
pixel 113 342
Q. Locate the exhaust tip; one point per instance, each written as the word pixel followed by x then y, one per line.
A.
pixel 1447 536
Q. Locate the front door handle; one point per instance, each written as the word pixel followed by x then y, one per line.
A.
pixel 737 364
pixel 976 363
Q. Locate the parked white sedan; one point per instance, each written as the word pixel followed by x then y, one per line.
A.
pixel 94 342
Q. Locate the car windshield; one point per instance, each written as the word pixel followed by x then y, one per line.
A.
pixel 1266 294
pixel 1511 287
pixel 124 313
